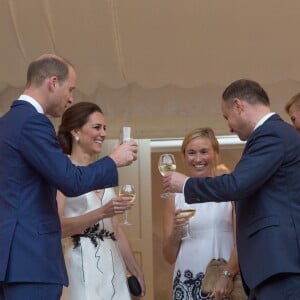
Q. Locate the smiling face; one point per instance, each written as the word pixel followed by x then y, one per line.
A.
pixel 91 135
pixel 200 158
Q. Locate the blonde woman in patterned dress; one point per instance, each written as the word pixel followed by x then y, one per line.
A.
pixel 211 229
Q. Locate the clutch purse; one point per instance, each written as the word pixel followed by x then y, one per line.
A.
pixel 213 270
pixel 134 285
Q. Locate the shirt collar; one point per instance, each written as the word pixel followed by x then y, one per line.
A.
pixel 263 120
pixel 33 102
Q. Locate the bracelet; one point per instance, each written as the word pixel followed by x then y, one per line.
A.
pixel 227 274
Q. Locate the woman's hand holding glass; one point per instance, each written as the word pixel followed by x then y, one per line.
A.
pixel 184 215
pixel 116 206
pixel 127 191
pixel 184 212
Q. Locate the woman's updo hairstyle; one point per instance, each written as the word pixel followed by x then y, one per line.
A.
pixel 74 117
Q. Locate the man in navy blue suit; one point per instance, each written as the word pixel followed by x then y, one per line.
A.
pixel 265 186
pixel 32 168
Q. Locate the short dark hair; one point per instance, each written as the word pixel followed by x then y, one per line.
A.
pixel 74 117
pixel 46 66
pixel 247 90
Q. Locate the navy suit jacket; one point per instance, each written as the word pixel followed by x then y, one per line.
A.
pixel 266 187
pixel 32 168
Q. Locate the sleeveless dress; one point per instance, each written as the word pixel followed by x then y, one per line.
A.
pixel 95 266
pixel 211 236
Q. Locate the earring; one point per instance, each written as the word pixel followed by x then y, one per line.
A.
pixel 76 137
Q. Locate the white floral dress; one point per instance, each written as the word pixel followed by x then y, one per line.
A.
pixel 211 231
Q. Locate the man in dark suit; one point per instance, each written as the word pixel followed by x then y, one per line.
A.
pixel 265 186
pixel 32 168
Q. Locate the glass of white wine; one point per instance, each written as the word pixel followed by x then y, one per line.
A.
pixel 127 190
pixel 166 163
pixel 187 213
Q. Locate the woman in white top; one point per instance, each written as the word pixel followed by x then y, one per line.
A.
pixel 97 252
pixel 211 229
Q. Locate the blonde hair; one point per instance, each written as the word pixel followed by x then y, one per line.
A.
pixel 203 133
pixel 294 100
pixel 200 133
pixel 222 169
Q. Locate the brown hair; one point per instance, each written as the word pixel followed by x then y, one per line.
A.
pixel 74 117
pixel 46 66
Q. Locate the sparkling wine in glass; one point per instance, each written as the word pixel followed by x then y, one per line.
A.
pixel 187 213
pixel 127 190
pixel 166 163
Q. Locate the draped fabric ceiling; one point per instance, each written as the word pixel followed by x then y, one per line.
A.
pixel 157 65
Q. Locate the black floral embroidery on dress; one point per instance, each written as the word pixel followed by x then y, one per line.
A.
pixel 93 234
pixel 187 287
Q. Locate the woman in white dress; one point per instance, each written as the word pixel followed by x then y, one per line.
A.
pixel 97 252
pixel 211 230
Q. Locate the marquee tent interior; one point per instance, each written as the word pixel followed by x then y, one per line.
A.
pixel 159 66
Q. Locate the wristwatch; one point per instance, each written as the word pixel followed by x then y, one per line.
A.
pixel 227 274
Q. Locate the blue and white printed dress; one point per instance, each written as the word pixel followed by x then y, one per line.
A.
pixel 212 236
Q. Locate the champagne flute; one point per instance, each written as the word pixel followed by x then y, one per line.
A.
pixel 166 163
pixel 127 190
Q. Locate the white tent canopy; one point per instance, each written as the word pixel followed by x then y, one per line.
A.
pixel 157 65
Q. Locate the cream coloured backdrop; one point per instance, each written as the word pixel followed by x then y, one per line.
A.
pixel 160 65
